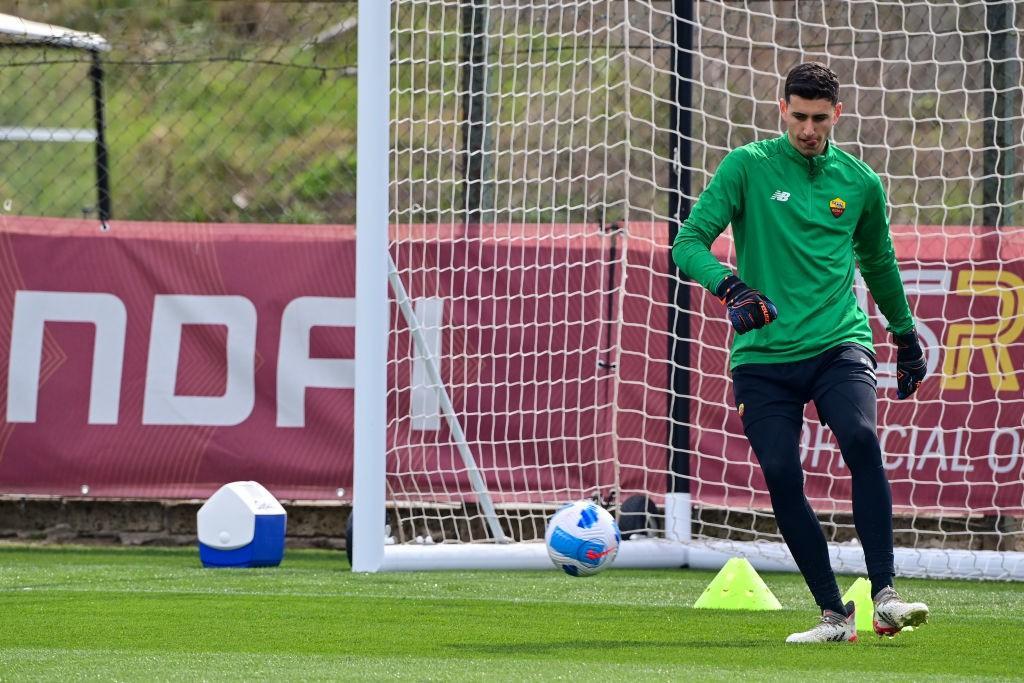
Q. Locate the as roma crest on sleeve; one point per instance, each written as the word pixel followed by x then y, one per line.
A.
pixel 837 206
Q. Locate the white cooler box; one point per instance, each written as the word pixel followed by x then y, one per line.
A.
pixel 241 525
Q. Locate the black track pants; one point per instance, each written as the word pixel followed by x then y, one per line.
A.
pixel 841 382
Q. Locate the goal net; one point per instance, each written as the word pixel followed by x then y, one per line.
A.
pixel 541 156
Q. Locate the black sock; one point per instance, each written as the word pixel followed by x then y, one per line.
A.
pixel 837 608
pixel 878 582
pixel 829 599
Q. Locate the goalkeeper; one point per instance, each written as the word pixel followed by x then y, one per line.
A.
pixel 802 211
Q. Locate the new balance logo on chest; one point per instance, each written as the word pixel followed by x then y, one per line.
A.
pixel 780 196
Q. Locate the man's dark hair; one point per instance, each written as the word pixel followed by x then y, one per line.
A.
pixel 813 81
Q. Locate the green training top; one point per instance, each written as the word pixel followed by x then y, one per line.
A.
pixel 798 223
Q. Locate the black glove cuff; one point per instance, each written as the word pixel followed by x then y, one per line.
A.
pixel 905 339
pixel 730 288
pixel 907 345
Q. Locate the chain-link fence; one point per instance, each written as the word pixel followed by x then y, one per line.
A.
pixel 226 111
pixel 239 111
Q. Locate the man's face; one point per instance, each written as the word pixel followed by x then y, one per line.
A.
pixel 809 123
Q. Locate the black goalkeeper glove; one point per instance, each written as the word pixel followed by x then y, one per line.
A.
pixel 910 364
pixel 748 308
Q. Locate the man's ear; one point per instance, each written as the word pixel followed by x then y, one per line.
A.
pixel 838 111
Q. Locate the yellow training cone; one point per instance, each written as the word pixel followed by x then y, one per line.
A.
pixel 737 586
pixel 860 593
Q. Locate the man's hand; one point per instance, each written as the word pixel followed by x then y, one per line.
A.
pixel 748 308
pixel 910 364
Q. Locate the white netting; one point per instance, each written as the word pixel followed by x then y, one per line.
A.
pixel 530 192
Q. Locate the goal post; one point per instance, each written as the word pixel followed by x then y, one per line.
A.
pixel 370 439
pixel 522 168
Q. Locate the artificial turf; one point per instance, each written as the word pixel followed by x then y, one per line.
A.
pixel 156 614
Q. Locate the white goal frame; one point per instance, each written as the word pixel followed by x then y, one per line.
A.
pixel 371 551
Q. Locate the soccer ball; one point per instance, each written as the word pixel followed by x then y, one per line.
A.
pixel 582 538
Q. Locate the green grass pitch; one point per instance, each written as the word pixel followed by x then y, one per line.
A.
pixel 156 614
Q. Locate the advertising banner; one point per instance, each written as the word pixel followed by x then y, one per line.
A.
pixel 164 360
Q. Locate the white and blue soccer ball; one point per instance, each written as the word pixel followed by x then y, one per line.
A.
pixel 582 538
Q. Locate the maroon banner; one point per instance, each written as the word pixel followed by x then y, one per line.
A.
pixel 163 360
pixel 96 403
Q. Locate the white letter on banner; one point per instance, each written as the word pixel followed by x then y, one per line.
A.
pixel 170 312
pixel 31 312
pixel 994 456
pixel 961 462
pixel 295 369
pixel 424 405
